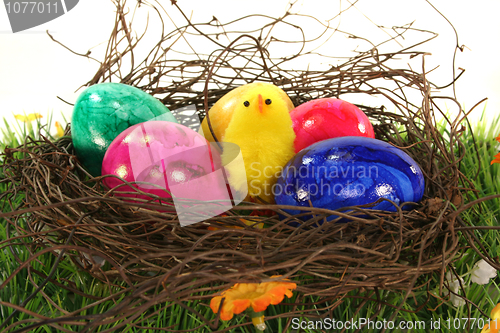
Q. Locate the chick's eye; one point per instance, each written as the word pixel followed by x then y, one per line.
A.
pixel 268 101
pixel 246 103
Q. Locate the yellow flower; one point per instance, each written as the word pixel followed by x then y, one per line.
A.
pixel 60 130
pixel 28 118
pixel 257 295
pixel 494 325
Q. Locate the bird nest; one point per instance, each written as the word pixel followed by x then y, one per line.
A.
pixel 67 212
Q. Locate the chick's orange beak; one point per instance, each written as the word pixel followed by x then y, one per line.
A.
pixel 261 103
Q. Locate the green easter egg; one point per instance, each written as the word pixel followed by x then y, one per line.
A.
pixel 103 111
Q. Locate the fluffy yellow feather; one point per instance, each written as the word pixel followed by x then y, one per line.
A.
pixel 222 111
pixel 262 127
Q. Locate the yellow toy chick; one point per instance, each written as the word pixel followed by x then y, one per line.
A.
pixel 258 121
pixel 222 112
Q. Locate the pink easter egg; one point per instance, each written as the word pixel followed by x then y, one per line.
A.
pixel 326 118
pixel 159 156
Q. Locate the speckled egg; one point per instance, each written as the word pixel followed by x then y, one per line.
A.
pixel 162 154
pixel 103 111
pixel 326 118
pixel 349 171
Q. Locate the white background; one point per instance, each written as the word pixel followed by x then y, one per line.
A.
pixel 34 70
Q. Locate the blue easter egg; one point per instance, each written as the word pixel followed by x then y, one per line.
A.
pixel 349 171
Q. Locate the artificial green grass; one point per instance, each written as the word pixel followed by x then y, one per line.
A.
pixel 481 147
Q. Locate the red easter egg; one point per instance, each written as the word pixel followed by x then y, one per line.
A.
pixel 326 118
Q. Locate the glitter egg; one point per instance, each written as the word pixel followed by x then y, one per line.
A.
pixel 103 111
pixel 349 171
pixel 327 118
pixel 159 155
